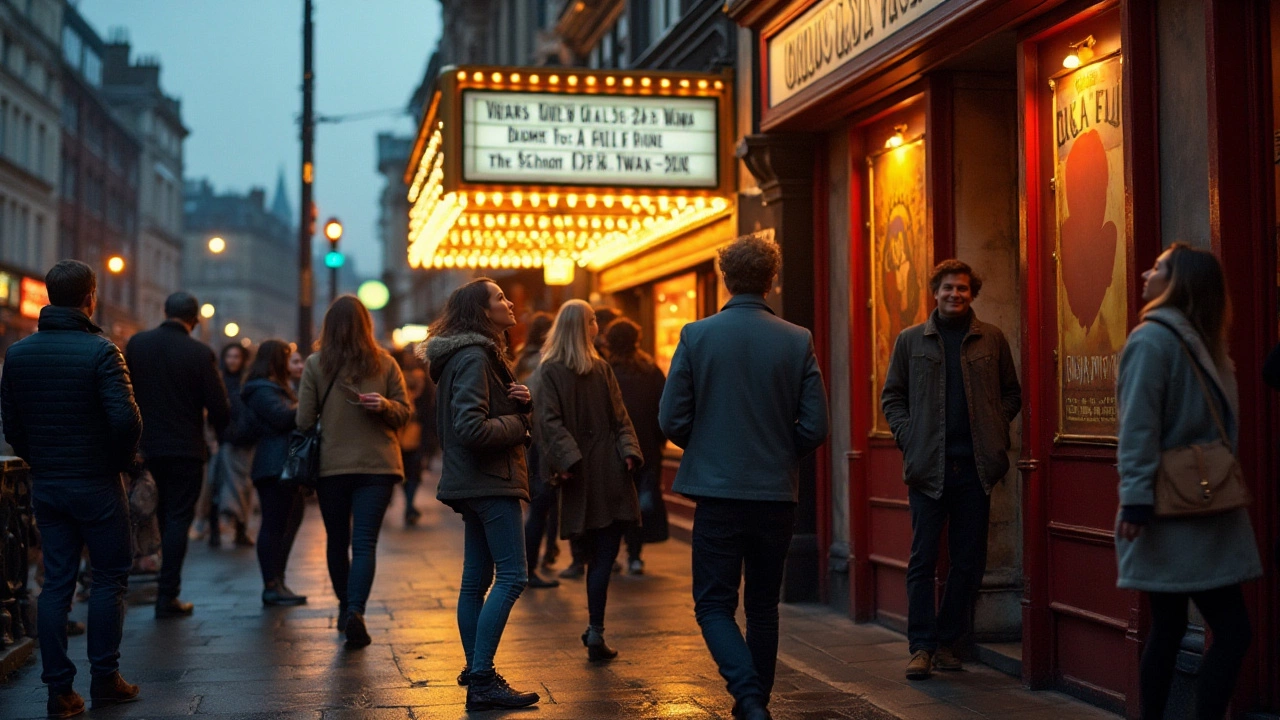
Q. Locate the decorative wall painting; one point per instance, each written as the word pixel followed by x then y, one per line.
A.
pixel 1092 267
pixel 901 255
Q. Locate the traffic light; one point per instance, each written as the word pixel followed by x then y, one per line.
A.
pixel 334 259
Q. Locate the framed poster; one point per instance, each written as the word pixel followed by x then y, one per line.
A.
pixel 1092 266
pixel 901 256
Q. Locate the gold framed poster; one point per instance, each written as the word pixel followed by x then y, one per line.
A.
pixel 1091 247
pixel 901 256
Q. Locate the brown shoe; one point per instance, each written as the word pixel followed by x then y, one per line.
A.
pixel 921 665
pixel 64 703
pixel 111 690
pixel 947 660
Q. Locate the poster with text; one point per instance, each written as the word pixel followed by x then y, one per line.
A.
pixel 1093 273
pixel 901 256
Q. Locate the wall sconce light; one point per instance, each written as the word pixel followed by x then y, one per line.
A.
pixel 897 138
pixel 1081 52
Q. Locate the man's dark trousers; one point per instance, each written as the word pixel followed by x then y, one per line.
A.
pixel 731 537
pixel 965 508
pixel 72 515
pixel 178 481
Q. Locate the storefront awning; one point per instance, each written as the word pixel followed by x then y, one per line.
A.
pixel 562 167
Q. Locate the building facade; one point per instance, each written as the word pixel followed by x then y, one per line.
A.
pixel 251 299
pixel 134 93
pixel 30 103
pixel 1057 147
pixel 99 183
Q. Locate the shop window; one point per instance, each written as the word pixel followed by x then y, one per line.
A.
pixel 675 304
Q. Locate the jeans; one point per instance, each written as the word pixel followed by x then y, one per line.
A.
pixel 93 513
pixel 965 508
pixel 494 547
pixel 542 502
pixel 412 460
pixel 282 509
pixel 1227 616
pixel 601 547
pixel 732 538
pixel 178 481
pixel 352 507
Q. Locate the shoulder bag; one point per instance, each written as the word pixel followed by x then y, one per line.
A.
pixel 1198 480
pixel 302 465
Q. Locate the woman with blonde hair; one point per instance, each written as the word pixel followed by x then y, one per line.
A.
pixel 589 445
pixel 356 390
pixel 1177 390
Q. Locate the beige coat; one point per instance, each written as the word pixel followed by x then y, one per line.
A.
pixel 354 440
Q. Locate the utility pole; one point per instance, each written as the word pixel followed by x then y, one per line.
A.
pixel 306 227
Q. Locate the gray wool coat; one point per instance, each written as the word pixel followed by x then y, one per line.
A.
pixel 1161 406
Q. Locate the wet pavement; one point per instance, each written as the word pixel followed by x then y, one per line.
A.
pixel 236 659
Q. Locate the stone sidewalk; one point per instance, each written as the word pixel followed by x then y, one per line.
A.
pixel 236 659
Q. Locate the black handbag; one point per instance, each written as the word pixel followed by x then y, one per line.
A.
pixel 302 465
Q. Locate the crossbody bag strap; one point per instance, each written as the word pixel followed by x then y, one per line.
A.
pixel 1199 373
pixel 325 399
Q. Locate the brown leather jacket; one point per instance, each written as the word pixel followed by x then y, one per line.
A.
pixel 914 402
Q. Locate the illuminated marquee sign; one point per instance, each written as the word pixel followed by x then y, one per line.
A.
pixel 830 34
pixel 557 168
pixel 545 138
pixel 34 297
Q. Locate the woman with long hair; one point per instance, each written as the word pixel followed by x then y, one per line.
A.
pixel 541 517
pixel 482 416
pixel 641 382
pixel 1177 388
pixel 356 390
pixel 590 447
pixel 229 491
pixel 270 416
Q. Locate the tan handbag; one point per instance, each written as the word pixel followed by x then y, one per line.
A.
pixel 1197 480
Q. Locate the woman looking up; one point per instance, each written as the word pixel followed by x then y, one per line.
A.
pixel 588 444
pixel 482 418
pixel 356 391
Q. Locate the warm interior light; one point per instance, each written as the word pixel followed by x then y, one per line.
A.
pixel 207 310
pixel 231 329
pixel 217 245
pixel 897 138
pixel 1081 53
pixel 115 264
pixel 558 271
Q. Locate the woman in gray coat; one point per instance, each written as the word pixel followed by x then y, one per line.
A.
pixel 1161 406
pixel 590 446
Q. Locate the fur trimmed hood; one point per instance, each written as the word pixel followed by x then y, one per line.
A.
pixel 437 350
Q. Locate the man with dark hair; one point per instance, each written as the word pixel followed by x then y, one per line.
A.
pixel 745 400
pixel 177 381
pixel 69 412
pixel 949 396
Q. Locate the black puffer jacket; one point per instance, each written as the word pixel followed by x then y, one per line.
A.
pixel 483 432
pixel 270 412
pixel 67 402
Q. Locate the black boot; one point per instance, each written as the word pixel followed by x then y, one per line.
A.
pixel 464 677
pixel 597 648
pixel 357 633
pixel 111 690
pixel 751 708
pixel 489 691
pixel 242 535
pixel 536 581
pixel 276 594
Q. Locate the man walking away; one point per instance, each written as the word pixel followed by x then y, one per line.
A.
pixel 745 400
pixel 176 380
pixel 949 396
pixel 69 412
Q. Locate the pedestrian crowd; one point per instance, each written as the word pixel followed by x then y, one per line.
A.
pixel 572 426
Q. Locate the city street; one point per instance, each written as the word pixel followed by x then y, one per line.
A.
pixel 235 659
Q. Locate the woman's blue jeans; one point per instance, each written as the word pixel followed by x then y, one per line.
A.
pixel 494 549
pixel 352 507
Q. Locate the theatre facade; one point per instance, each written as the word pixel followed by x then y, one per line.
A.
pixel 1057 147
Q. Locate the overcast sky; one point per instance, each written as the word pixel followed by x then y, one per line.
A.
pixel 237 66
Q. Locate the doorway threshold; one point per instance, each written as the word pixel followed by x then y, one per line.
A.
pixel 1003 656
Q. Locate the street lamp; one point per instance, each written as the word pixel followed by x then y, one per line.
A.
pixel 231 330
pixel 115 264
pixel 207 310
pixel 217 245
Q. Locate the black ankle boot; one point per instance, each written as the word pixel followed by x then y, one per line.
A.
pixel 490 691
pixel 597 648
pixel 464 677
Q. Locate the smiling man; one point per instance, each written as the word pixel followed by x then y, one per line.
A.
pixel 949 396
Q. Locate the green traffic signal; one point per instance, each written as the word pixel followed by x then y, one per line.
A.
pixel 334 259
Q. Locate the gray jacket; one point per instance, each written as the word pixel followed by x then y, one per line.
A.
pixel 745 400
pixel 914 400
pixel 1161 406
pixel 483 433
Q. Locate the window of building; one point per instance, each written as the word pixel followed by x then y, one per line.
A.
pixel 68 181
pixel 34 260
pixel 606 49
pixel 4 126
pixel 675 304
pixel 593 58
pixel 70 113
pixel 93 136
pixel 71 47
pixel 92 68
pixel 27 141
pixel 662 15
pixel 41 166
pixel 622 39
